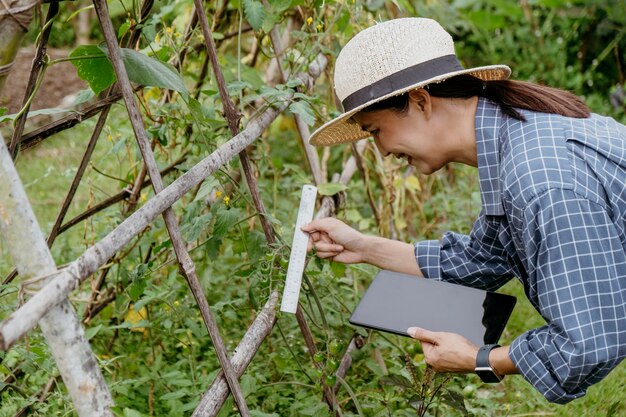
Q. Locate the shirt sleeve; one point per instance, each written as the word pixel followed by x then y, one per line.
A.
pixel 478 260
pixel 576 266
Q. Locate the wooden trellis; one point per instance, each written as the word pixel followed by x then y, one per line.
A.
pixel 49 306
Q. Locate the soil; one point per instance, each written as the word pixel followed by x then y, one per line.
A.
pixel 59 85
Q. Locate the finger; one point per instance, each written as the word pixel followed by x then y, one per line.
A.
pixel 423 335
pixel 313 237
pixel 325 255
pixel 321 246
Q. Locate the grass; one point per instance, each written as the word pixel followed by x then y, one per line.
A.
pixel 48 169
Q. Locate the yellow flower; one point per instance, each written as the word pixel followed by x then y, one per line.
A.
pixel 309 20
pixel 218 194
pixel 169 30
pixel 144 197
pixel 157 39
pixel 133 317
pixel 319 27
pixel 226 200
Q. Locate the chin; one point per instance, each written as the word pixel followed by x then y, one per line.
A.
pixel 424 168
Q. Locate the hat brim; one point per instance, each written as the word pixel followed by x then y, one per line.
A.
pixel 343 130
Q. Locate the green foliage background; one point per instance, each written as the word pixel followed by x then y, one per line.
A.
pixel 150 340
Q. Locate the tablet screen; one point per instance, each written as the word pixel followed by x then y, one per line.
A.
pixel 394 302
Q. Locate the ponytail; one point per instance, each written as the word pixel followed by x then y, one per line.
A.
pixel 510 95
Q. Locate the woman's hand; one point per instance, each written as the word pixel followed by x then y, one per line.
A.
pixel 334 239
pixel 446 352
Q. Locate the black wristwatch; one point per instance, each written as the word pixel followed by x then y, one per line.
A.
pixel 483 368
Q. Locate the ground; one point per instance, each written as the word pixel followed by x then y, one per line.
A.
pixel 59 84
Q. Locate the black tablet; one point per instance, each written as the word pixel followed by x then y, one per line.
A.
pixel 394 302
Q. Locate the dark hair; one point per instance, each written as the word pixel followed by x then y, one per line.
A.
pixel 509 94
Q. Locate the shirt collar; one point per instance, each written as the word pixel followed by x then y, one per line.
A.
pixel 487 123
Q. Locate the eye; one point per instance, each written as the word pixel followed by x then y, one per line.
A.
pixel 374 133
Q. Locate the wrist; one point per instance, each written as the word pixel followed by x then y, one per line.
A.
pixel 368 252
pixel 484 368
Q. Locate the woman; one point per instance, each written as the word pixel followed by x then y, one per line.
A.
pixel 553 188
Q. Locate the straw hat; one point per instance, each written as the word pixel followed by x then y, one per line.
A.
pixel 389 59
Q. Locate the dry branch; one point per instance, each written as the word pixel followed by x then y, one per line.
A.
pixel 56 228
pixel 34 137
pixel 356 342
pixel 303 130
pixel 233 117
pixel 36 72
pixel 214 398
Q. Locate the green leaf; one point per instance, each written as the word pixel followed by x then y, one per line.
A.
pixel 137 287
pixel 92 331
pixel 173 395
pixel 303 109
pixel 454 400
pixel 331 188
pixel 254 12
pixel 257 413
pixel 93 66
pixel 225 219
pixel 206 188
pixel 129 412
pixel 396 380
pixel 148 71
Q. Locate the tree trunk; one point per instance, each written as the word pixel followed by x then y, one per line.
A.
pixel 15 16
pixel 76 362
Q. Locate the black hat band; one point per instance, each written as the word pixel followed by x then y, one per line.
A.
pixel 402 79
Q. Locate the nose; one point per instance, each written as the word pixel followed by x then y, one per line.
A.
pixel 380 147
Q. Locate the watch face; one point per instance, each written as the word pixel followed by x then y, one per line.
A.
pixel 486 374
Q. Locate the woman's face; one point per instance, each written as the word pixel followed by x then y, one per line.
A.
pixel 427 135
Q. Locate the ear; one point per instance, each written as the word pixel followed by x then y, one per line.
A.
pixel 420 98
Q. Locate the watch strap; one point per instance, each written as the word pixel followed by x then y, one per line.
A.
pixel 483 367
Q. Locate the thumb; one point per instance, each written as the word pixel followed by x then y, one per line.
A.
pixel 422 335
pixel 320 225
pixel 309 227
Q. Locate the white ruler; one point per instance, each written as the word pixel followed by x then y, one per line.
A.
pixel 297 258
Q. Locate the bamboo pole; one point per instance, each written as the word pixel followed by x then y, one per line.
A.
pixel 60 326
pixel 15 16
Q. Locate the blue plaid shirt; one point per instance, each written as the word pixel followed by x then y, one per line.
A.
pixel 554 215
